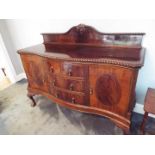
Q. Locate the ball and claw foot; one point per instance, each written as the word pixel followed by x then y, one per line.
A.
pixel 33 103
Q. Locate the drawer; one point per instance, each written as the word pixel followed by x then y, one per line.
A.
pixel 73 69
pixel 70 97
pixel 72 85
pixel 53 66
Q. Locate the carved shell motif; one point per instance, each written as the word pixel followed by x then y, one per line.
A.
pixel 81 28
pixel 108 90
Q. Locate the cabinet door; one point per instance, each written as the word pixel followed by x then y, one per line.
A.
pixel 111 87
pixel 34 67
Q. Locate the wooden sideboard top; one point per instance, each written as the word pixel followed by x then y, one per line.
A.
pixel 85 44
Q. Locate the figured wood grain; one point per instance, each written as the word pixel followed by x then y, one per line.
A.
pixel 108 89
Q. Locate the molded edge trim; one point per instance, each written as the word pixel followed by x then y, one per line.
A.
pixel 123 63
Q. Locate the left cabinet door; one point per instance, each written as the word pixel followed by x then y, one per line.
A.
pixel 35 68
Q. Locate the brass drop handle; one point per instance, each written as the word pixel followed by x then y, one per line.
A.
pixel 56 95
pixel 70 72
pixel 71 86
pixel 53 83
pixel 90 91
pixel 52 69
pixel 73 100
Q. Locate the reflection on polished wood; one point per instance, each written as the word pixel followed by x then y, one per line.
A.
pixel 87 70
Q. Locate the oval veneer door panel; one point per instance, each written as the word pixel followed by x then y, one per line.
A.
pixel 110 87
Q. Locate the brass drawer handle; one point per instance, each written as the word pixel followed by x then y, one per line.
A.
pixel 90 91
pixel 70 72
pixel 71 87
pixel 56 95
pixel 52 69
pixel 73 100
pixel 53 83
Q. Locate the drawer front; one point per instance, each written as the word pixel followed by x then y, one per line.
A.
pixel 72 69
pixel 53 66
pixel 69 97
pixel 68 84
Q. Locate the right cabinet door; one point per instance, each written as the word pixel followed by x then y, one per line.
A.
pixel 111 87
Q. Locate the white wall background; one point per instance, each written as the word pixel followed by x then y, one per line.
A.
pixel 11 49
pixel 27 32
pixel 5 62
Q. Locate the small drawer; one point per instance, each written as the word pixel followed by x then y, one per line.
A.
pixel 72 69
pixel 53 66
pixel 70 97
pixel 68 84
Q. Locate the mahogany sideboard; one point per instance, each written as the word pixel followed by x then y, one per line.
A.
pixel 86 70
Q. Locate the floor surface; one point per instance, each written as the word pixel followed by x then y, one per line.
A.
pixel 4 83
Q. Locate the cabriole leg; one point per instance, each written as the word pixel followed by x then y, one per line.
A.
pixel 33 103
